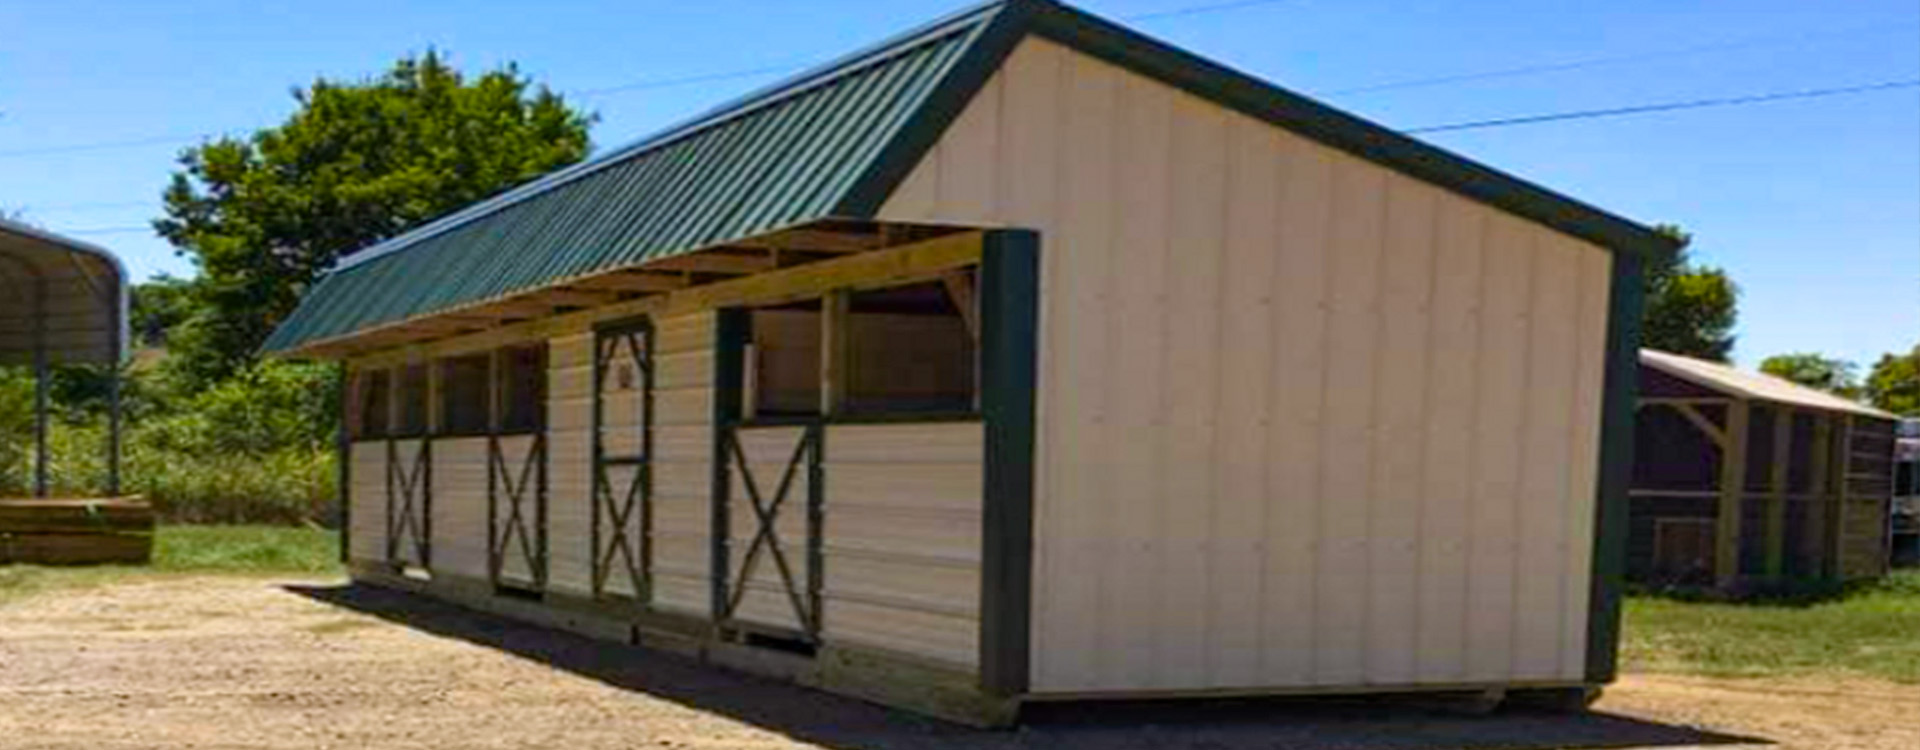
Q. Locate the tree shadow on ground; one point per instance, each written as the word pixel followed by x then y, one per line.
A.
pixel 842 723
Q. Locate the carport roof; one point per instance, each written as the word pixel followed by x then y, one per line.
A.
pixel 1751 385
pixel 76 290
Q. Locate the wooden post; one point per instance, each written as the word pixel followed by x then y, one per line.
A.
pixel 1777 490
pixel 1820 490
pixel 1842 469
pixel 41 382
pixel 1733 480
pixel 835 370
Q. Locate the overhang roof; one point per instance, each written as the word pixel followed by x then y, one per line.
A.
pixel 1751 385
pixel 831 143
pixel 83 310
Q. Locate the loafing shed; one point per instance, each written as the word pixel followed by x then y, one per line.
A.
pixel 1018 358
pixel 1746 479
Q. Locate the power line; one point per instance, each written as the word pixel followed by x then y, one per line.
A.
pixel 1595 62
pixel 1666 107
pixel 790 67
pixel 642 85
pixel 107 230
pixel 1198 9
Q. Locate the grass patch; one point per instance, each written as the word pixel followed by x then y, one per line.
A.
pixel 194 550
pixel 1873 631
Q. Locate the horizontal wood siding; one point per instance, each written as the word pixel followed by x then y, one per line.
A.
pixel 368 535
pixel 902 538
pixel 570 464
pixel 1303 421
pixel 460 506
pixel 682 462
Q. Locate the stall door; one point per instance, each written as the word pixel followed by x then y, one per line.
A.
pixel 517 470
pixel 409 493
pixel 517 510
pixel 622 461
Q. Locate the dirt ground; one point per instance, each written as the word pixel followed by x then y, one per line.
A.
pixel 239 663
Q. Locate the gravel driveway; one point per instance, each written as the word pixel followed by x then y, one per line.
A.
pixel 248 663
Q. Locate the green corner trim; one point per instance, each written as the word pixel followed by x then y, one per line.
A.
pixel 1611 507
pixel 732 328
pixel 1009 353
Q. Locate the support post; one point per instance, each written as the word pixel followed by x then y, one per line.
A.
pixel 115 346
pixel 40 388
pixel 1777 491
pixel 835 326
pixel 1733 483
pixel 1820 486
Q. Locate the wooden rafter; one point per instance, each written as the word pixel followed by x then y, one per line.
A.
pixel 714 262
pixel 959 284
pixel 634 281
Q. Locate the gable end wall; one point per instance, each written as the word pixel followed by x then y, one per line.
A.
pixel 1303 421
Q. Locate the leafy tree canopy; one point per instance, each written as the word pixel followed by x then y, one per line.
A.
pixel 1815 371
pixel 1690 309
pixel 358 162
pixel 1894 384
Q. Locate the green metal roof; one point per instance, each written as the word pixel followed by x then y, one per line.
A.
pixel 832 142
pixel 782 156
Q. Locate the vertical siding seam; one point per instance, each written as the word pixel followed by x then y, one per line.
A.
pixel 1479 304
pixel 1165 543
pixel 1104 622
pixel 1516 618
pixel 1214 421
pixel 1574 428
pixel 1427 396
pixel 1327 268
pixel 1282 173
pixel 1374 433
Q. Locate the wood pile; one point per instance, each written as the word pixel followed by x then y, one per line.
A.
pixel 50 531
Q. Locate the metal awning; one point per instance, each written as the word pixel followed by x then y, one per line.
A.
pixel 64 303
pixel 67 295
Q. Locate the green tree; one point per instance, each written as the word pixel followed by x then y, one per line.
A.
pixel 1690 309
pixel 356 163
pixel 158 305
pixel 1894 384
pixel 1815 371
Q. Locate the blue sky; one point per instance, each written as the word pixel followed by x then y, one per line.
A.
pixel 1813 205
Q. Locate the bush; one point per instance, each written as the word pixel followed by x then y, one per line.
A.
pixel 256 448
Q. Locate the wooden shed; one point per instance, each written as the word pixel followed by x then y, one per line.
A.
pixel 1742 479
pixel 1019 358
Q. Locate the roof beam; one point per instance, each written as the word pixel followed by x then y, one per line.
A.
pixel 817 240
pixel 632 281
pixel 714 263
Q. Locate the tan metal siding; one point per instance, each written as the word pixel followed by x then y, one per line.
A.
pixel 367 538
pixel 902 538
pixel 1303 421
pixel 460 506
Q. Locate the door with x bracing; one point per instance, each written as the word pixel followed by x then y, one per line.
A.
pixel 623 461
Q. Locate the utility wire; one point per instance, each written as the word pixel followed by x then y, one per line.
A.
pixel 107 230
pixel 1595 62
pixel 637 85
pixel 1727 101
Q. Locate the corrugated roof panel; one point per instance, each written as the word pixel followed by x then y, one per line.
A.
pixel 770 160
